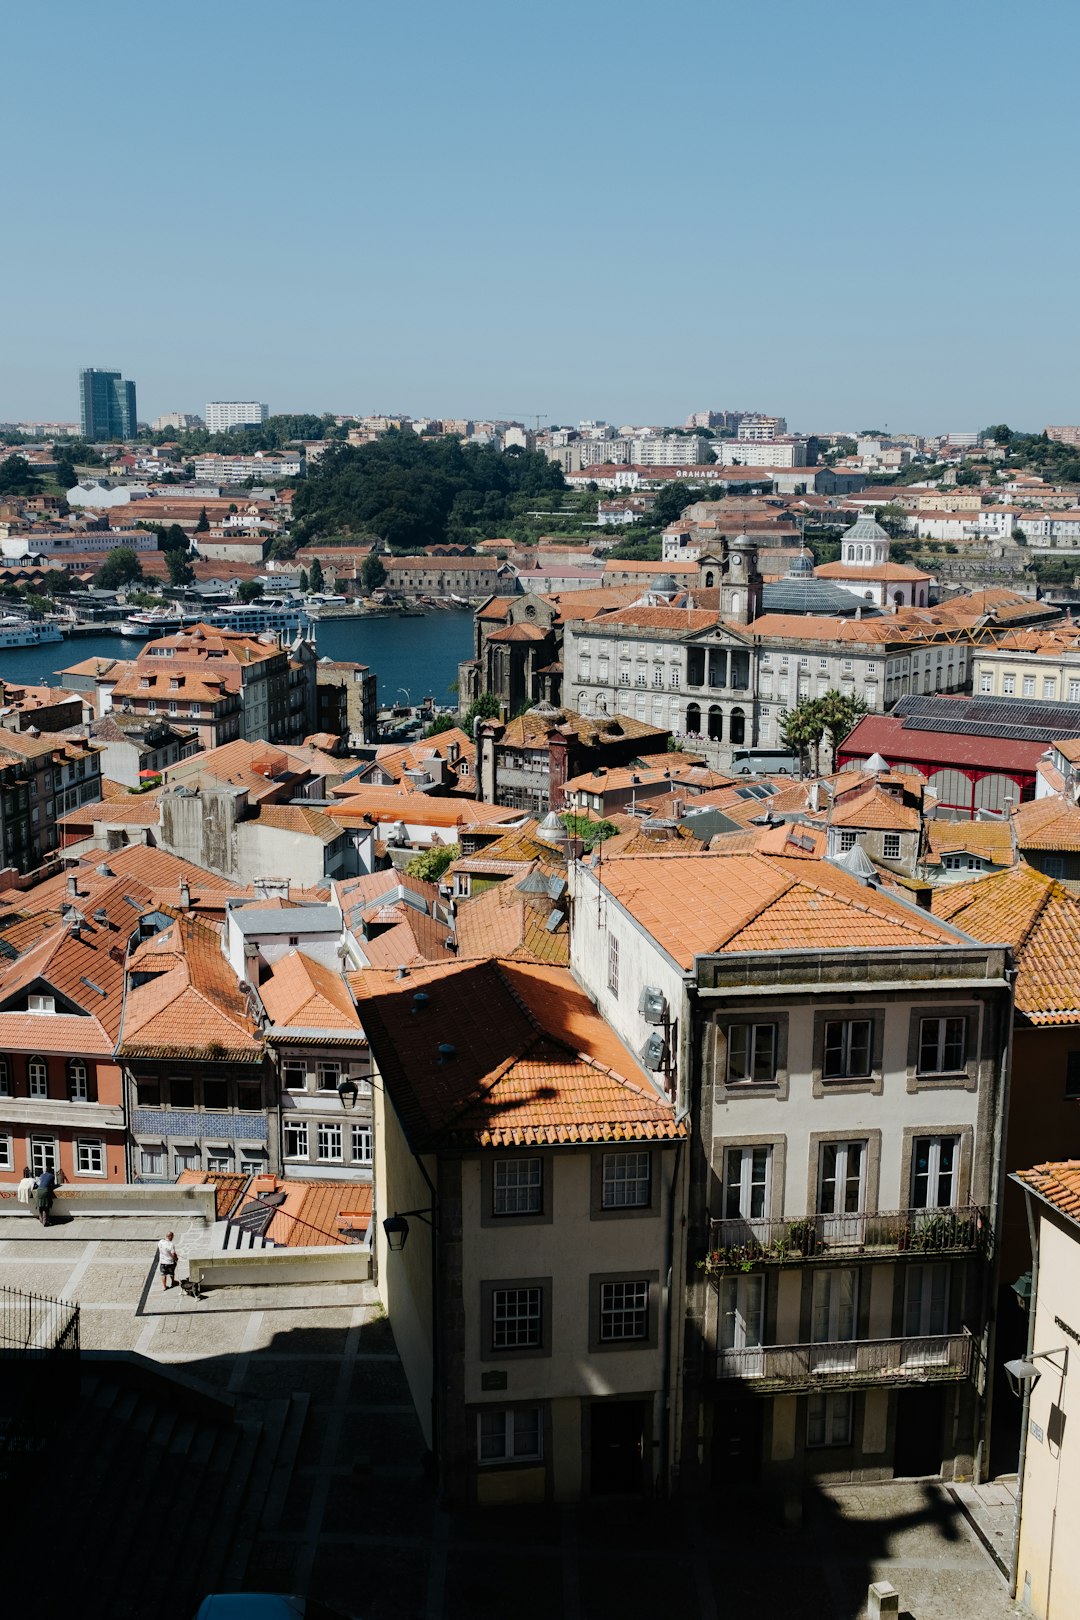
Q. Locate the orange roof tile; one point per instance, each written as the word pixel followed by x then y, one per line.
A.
pixel 195 1008
pixel 303 992
pixel 874 806
pixel 1040 920
pixel 990 839
pixel 506 1054
pixel 1058 1184
pixel 1051 823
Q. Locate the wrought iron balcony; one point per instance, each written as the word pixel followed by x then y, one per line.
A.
pixel 742 1245
pixel 850 1363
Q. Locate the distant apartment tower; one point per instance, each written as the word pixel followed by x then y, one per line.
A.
pixel 762 429
pixel 1063 435
pixel 223 414
pixel 180 420
pixel 106 406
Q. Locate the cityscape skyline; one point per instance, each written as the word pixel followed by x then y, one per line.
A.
pixel 453 233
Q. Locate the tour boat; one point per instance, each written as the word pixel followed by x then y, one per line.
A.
pixel 16 632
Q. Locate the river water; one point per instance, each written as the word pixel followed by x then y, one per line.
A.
pixel 417 655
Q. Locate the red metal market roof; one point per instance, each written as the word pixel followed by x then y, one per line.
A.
pixel 886 735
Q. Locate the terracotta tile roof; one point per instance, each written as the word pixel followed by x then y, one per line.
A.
pixel 586 604
pixel 303 819
pixel 760 903
pixel 1068 748
pixel 228 1186
pixel 665 618
pixel 648 839
pixel 379 804
pixel 990 839
pixel 612 778
pixel 519 632
pixel 313 1214
pixel 1040 920
pixel 634 565
pixel 303 992
pixel 504 920
pixel 889 570
pixel 874 807
pixel 1058 1184
pixel 532 1062
pixel 531 730
pixel 416 939
pixel 193 1009
pixel 1051 823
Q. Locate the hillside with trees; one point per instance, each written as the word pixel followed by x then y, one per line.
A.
pixel 408 491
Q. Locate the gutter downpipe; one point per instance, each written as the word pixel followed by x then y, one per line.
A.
pixel 989 1269
pixel 1025 1415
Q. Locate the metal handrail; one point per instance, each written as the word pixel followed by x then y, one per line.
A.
pixel 913 1359
pixel 743 1243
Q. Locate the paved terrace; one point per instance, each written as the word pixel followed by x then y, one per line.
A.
pixel 320 1485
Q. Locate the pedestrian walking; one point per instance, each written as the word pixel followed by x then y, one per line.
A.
pixel 167 1259
pixel 24 1192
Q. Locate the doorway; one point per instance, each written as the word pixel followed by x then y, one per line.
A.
pixel 738 1426
pixel 919 1423
pixel 616 1448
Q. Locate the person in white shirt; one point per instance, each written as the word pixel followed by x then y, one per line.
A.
pixel 24 1192
pixel 167 1258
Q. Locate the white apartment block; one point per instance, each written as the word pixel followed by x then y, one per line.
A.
pixel 73 542
pixel 1051 676
pixel 223 414
pixel 668 450
pixel 238 469
pixel 762 429
pixel 789 452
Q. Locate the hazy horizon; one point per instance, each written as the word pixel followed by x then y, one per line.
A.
pixel 570 212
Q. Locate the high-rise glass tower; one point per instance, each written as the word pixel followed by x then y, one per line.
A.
pixel 106 405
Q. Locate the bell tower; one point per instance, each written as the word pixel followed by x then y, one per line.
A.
pixel 740 592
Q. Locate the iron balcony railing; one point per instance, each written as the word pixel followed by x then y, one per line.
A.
pixel 850 1363
pixel 35 1326
pixel 743 1244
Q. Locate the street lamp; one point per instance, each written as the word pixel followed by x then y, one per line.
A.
pixel 396 1226
pixel 1023 1373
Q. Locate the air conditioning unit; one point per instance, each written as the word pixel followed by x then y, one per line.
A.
pixel 652 1053
pixel 652 1005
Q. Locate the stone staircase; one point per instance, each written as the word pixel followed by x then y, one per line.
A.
pixel 156 1492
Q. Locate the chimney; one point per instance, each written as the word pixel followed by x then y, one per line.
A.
pixel 73 886
pixel 185 894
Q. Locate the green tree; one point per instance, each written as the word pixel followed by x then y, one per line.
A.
pixel 18 477
pixel 204 522
pixel 121 567
pixel 66 476
pixel 441 722
pixel 802 729
pixel 315 575
pixel 430 864
pixel 372 572
pixel 590 832
pixel 179 566
pixel 248 590
pixel 484 707
pixel 172 539
pixel 305 583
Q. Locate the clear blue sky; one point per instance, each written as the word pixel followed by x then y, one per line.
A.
pixel 851 213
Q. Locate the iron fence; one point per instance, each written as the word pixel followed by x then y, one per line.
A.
pixel 35 1326
pixel 744 1243
pixel 848 1363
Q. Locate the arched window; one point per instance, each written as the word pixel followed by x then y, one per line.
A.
pixel 868 596
pixel 78 1087
pixel 710 580
pixel 898 598
pixel 737 728
pixel 716 723
pixel 693 719
pixel 38 1075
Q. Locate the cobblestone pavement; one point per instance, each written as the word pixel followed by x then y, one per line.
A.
pixel 361 1528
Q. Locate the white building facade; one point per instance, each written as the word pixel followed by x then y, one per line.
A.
pixel 224 414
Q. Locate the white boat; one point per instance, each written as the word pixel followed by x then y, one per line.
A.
pixel 16 632
pixel 267 613
pixel 159 621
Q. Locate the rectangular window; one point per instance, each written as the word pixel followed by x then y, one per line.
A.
pixel 510 1435
pixel 517 1187
pixel 186 1159
pixel 249 1098
pixel 828 1420
pixel 746 1183
pixel 5 1078
pixel 624 1311
pixel 890 847
pixel 934 1172
pixel 1072 1076
pixel 986 682
pixel 7 1153
pixel 1008 685
pixel 328 1140
pixel 627 1181
pixel 148 1093
pixel 833 1313
pixel 296 1140
pixel 43 1154
pixel 38 1077
pixel 742 1312
pixel 1029 686
pixel 215 1094
pixel 1049 687
pixel 516 1318
pixel 182 1093
pixel 41 1004
pixel 363 1144
pixel 613 965
pixel 329 1075
pixel 219 1162
pixel 1074 691
pixel 90 1158
pixel 751 1053
pixel 848 841
pixel 941 1045
pixel 841 1178
pixel 847 1049
pixel 152 1161
pixel 926 1301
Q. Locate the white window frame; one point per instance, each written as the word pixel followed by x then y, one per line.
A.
pixel 936 1178
pixel 362 1141
pixel 158 1154
pixel 298 1130
pixel 7 1153
pixel 325 1136
pixel 44 1153
pixel 517 1186
pixel 741 1321
pixel 747 1182
pixel 324 1069
pixel 848 840
pixel 517 1318
pixel 748 1047
pixel 78 1080
pixel 38 1002
pixel 219 1161
pixel 829 1419
pixel 86 1149
pixel 37 1077
pixel 294 1074
pixel 842 1177
pixel 941 1041
pixel 623 1312
pixel 926 1300
pixel 890 847
pixel 626 1180
pixel 848 1046
pixel 613 965
pixel 514 1431
pixel 186 1159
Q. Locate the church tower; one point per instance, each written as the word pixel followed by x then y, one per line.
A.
pixel 740 591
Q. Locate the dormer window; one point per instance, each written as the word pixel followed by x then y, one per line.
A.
pixel 37 1003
